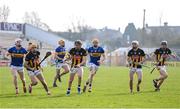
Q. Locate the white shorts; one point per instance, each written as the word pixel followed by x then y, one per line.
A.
pixel 138 71
pixel 162 69
pixel 93 67
pixel 16 69
pixel 79 71
pixel 60 65
pixel 135 70
pixel 34 73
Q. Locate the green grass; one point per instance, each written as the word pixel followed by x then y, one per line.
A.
pixel 110 89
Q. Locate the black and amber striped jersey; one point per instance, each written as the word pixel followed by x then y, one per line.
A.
pixel 33 59
pixel 161 55
pixel 136 56
pixel 77 56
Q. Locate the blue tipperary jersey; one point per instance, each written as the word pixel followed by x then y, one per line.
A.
pixel 17 56
pixel 95 54
pixel 61 52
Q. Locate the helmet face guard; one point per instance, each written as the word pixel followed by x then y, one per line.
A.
pixel 135 44
pixel 18 42
pixel 78 44
pixel 164 43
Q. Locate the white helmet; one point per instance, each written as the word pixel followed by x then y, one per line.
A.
pixel 18 40
pixel 164 42
pixel 135 42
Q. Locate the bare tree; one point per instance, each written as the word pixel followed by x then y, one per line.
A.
pixel 78 25
pixel 4 13
pixel 34 19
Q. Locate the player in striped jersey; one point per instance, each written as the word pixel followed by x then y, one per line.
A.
pixel 78 57
pixel 34 69
pixel 135 59
pixel 161 56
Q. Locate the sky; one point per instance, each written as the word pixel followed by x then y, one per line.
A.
pixel 59 14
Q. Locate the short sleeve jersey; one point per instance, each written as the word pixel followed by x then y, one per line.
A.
pixel 136 56
pixel 77 55
pixel 17 56
pixel 33 59
pixel 161 55
pixel 61 51
pixel 95 54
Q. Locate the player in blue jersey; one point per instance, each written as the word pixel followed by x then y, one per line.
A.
pixel 97 57
pixel 17 54
pixel 60 54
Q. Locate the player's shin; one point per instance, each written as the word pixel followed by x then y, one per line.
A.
pixel 139 82
pixel 69 87
pixel 79 84
pixel 45 86
pixel 23 82
pixel 57 75
pixel 55 79
pixel 24 86
pixel 138 85
pixel 71 78
pixel 90 82
pixel 15 84
pixel 85 85
pixel 131 85
pixel 160 83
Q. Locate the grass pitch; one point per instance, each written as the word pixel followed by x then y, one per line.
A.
pixel 110 89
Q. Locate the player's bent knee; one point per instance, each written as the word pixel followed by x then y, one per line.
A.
pixel 15 77
pixel 34 83
pixel 70 81
pixel 66 71
pixel 79 77
pixel 24 80
pixel 165 76
pixel 139 80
